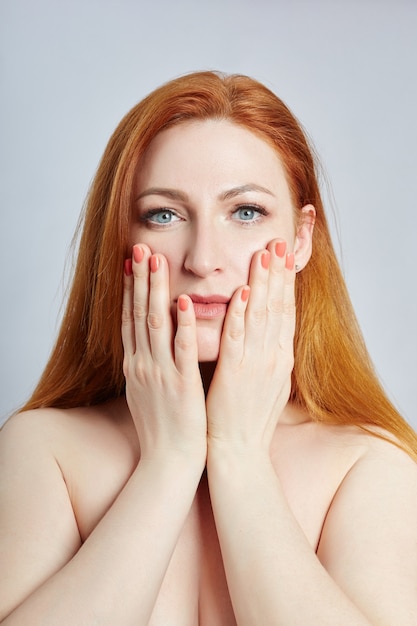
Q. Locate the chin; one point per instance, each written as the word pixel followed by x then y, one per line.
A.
pixel 208 358
pixel 208 345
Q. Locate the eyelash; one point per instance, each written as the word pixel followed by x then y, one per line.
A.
pixel 252 207
pixel 146 218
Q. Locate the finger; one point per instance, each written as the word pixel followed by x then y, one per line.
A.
pixel 288 321
pixel 281 296
pixel 128 331
pixel 256 312
pixel 185 342
pixel 275 299
pixel 159 318
pixel 232 347
pixel 140 266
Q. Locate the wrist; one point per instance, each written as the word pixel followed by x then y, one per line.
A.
pixel 175 459
pixel 173 448
pixel 237 446
pixel 172 478
pixel 240 456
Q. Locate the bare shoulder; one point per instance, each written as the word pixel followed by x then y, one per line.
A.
pixel 35 508
pixel 384 448
pixel 61 469
pixel 31 434
pixel 94 448
pixel 368 542
pixel 60 430
pixel 44 446
pixel 383 479
pixel 345 446
pixel 55 420
pixel 376 453
pixel 372 462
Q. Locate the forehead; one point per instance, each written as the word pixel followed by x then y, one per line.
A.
pixel 218 151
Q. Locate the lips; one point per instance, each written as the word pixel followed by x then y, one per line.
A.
pixel 210 306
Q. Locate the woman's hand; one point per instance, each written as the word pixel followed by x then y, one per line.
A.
pixel 252 380
pixel 164 390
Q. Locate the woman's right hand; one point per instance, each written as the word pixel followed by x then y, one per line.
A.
pixel 164 390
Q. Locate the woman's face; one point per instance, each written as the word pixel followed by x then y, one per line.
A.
pixel 208 195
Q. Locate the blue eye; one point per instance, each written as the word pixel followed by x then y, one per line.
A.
pixel 160 216
pixel 248 213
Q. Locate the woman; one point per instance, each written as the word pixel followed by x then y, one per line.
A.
pixel 218 461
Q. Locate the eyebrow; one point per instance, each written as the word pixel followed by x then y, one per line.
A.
pixel 237 191
pixel 175 194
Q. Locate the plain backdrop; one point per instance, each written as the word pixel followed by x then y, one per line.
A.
pixel 70 69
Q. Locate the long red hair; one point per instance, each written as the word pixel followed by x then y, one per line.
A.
pixel 333 377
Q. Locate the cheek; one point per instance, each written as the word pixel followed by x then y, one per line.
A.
pixel 155 243
pixel 244 254
pixel 135 238
pixel 242 261
pixel 175 273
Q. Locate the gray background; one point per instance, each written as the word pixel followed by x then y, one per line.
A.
pixel 71 69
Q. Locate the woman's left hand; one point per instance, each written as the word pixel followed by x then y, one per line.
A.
pixel 252 380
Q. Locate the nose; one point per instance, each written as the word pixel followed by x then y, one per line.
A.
pixel 204 256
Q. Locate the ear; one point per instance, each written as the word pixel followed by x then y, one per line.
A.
pixel 304 237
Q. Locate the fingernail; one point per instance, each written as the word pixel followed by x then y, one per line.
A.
pixel 289 261
pixel 245 294
pixel 265 259
pixel 154 263
pixel 182 303
pixel 280 248
pixel 128 267
pixel 137 254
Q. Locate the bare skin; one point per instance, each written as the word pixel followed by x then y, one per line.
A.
pixel 204 497
pixel 97 450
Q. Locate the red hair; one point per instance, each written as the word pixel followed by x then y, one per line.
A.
pixel 333 377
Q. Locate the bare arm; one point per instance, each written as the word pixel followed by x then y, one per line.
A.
pixel 47 576
pixel 115 576
pixel 366 570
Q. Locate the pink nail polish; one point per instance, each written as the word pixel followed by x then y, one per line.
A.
pixel 183 303
pixel 154 263
pixel 265 259
pixel 245 294
pixel 128 267
pixel 137 254
pixel 280 248
pixel 289 261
